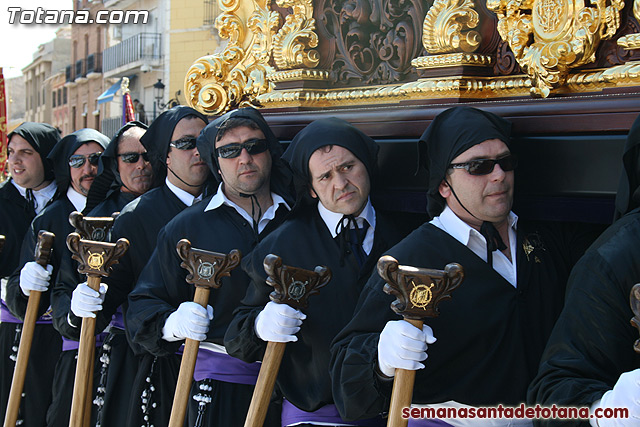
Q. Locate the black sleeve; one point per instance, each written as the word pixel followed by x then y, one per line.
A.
pixel 240 339
pixel 16 300
pixel 158 293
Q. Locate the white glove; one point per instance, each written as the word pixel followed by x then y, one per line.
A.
pixel 625 394
pixel 34 277
pixel 190 320
pixel 278 322
pixel 85 301
pixel 403 346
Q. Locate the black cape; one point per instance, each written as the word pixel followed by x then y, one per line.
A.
pixel 306 362
pixel 490 335
pixel 592 342
pixel 14 222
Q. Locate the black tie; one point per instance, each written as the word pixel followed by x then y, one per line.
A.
pixel 494 241
pixel 31 202
pixel 349 232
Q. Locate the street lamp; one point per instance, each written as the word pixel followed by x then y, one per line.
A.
pixel 158 94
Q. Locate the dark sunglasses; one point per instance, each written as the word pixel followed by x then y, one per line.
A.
pixel 78 160
pixel 253 146
pixel 485 166
pixel 134 157
pixel 185 143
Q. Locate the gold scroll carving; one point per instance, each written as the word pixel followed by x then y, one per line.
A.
pixel 449 27
pixel 632 41
pixel 551 37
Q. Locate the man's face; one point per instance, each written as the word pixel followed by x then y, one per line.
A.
pixel 247 173
pixel 82 177
pixel 488 197
pixel 187 164
pixel 136 177
pixel 25 164
pixel 339 179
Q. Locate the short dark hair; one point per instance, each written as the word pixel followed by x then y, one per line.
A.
pixel 234 123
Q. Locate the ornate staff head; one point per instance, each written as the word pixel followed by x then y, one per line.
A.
pixel 95 258
pixel 1 242
pixel 44 246
pixel 418 290
pixel 92 228
pixel 292 285
pixel 634 299
pixel 206 269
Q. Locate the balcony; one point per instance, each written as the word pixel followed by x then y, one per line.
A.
pixel 68 72
pixel 81 71
pixel 94 65
pixel 131 53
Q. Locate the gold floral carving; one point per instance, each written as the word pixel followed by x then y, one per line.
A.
pixel 549 38
pixel 293 44
pixel 451 59
pixel 449 27
pixel 632 41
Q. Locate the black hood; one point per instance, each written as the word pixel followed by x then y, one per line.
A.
pixel 66 147
pixel 42 137
pixel 323 132
pixel 108 179
pixel 628 196
pixel 158 137
pixel 281 181
pixel 451 133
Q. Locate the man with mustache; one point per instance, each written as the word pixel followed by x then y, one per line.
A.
pixel 179 178
pixel 332 224
pixel 75 160
pixel 124 173
pixel 23 196
pixel 244 155
pixel 491 334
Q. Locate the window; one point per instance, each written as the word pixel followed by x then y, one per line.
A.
pixel 59 97
pixel 53 99
pixel 64 95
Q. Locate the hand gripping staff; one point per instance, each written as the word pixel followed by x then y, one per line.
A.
pixel 41 256
pixel 292 286
pixel 418 292
pixel 206 270
pixel 95 260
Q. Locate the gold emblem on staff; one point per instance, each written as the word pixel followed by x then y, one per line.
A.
pixel 95 261
pixel 421 295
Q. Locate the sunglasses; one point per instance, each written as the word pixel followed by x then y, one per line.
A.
pixel 77 160
pixel 185 143
pixel 485 166
pixel 253 146
pixel 134 157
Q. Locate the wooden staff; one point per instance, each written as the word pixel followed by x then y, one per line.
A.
pixel 415 301
pixel 206 270
pixel 41 256
pixel 95 260
pixel 292 286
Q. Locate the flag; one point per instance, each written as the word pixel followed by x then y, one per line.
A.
pixel 3 129
pixel 127 106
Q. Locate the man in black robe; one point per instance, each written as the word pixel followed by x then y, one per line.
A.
pixel 124 173
pixel 179 176
pixel 589 360
pixel 491 334
pixel 244 155
pixel 334 225
pixel 75 160
pixel 23 196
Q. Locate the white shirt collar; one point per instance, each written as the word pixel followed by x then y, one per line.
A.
pixel 186 198
pixel 77 200
pixel 42 196
pixel 220 199
pixel 460 230
pixel 331 219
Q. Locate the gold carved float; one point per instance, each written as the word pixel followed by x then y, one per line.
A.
pixel 340 53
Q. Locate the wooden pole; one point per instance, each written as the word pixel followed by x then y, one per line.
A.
pixel 264 385
pixel 84 367
pixel 45 241
pixel 187 366
pixel 402 392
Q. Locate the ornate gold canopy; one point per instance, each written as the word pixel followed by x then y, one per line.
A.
pixel 335 53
